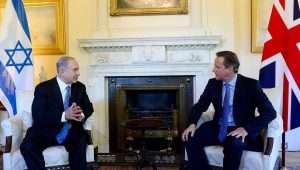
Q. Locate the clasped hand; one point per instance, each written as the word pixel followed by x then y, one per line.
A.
pixel 74 112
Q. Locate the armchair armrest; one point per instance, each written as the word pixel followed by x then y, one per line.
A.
pixel 88 124
pixel 273 134
pixel 88 128
pixel 13 132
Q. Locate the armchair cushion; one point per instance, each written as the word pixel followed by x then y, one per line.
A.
pixel 250 160
pixel 54 156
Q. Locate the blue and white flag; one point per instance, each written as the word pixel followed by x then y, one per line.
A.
pixel 16 64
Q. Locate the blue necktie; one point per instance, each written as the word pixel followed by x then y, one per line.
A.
pixel 61 136
pixel 225 114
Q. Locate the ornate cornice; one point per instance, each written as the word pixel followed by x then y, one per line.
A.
pixel 206 42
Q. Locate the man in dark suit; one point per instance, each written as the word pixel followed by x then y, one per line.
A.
pixel 235 125
pixel 59 109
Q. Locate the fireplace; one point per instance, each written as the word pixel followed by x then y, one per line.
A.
pixel 167 99
pixel 112 60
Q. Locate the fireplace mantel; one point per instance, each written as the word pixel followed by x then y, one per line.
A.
pixel 195 41
pixel 164 50
pixel 152 56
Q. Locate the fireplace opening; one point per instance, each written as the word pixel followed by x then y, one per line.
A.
pixel 148 112
pixel 151 99
pixel 158 104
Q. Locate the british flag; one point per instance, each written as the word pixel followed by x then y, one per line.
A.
pixel 281 59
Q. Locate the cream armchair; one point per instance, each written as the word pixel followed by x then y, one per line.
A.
pixel 14 130
pixel 269 159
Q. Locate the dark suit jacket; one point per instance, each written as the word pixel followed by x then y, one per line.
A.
pixel 47 107
pixel 248 96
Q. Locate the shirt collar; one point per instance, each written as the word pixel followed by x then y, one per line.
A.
pixel 232 81
pixel 62 85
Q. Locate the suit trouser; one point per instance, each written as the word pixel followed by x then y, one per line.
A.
pixel 206 135
pixel 34 143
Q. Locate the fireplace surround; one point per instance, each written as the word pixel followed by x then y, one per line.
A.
pixel 143 57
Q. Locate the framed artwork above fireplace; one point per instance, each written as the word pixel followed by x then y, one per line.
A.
pixel 149 7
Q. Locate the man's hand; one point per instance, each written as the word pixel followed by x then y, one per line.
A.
pixel 239 132
pixel 74 113
pixel 80 116
pixel 190 130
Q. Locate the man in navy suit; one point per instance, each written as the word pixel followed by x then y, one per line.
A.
pixel 235 125
pixel 59 109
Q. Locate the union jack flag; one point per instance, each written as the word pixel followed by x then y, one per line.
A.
pixel 281 59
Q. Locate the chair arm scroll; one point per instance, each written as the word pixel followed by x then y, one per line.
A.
pixel 88 128
pixel 269 145
pixel 7 147
pixel 2 148
pixel 90 139
pixel 13 132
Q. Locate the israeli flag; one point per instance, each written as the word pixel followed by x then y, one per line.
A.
pixel 16 64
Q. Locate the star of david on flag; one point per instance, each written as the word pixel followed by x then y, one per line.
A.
pixel 16 66
pixel 281 60
pixel 25 52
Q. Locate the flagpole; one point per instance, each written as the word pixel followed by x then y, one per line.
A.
pixel 283 152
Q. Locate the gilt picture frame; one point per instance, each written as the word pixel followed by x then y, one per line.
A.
pixel 260 14
pixel 46 22
pixel 150 7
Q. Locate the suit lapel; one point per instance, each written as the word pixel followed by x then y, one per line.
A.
pixel 74 93
pixel 72 99
pixel 237 94
pixel 56 92
pixel 219 93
